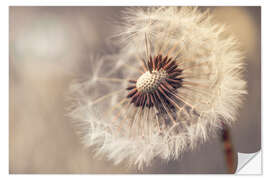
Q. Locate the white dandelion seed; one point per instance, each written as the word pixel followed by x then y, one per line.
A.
pixel 177 79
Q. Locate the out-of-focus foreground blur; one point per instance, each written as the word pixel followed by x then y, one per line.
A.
pixel 50 46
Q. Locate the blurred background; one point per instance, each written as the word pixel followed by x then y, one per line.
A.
pixel 50 46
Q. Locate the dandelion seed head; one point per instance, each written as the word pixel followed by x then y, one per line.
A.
pixel 176 80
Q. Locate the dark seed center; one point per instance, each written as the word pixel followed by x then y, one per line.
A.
pixel 157 85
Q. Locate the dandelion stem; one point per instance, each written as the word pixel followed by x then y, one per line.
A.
pixel 228 149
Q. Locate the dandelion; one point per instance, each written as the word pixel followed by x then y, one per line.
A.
pixel 175 82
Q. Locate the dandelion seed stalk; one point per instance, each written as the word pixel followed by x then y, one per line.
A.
pixel 228 149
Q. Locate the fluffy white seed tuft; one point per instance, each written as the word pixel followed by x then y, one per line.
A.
pixel 210 95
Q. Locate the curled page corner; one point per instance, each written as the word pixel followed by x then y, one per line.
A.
pixel 249 163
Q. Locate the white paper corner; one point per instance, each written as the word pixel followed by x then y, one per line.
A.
pixel 249 163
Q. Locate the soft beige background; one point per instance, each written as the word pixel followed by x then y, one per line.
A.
pixel 50 46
